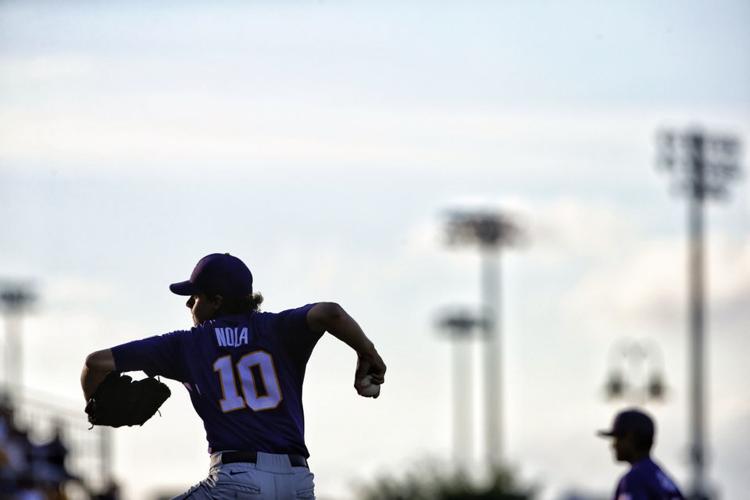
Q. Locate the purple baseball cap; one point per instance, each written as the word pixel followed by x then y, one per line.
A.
pixel 217 274
pixel 631 420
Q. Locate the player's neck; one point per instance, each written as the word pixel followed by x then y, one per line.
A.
pixel 639 456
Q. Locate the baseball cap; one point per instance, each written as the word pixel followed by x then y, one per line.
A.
pixel 217 274
pixel 631 420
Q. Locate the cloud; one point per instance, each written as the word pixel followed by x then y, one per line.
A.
pixel 645 285
pixel 729 283
pixel 47 68
pixel 76 293
pixel 568 228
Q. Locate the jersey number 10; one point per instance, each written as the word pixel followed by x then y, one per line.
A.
pixel 258 380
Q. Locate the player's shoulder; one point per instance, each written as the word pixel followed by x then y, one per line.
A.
pixel 298 311
pixel 305 307
pixel 176 335
pixel 665 483
pixel 648 475
pixel 297 315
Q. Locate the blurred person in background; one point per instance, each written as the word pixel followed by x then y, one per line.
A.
pixel 110 492
pixel 48 464
pixel 17 479
pixel 7 475
pixel 632 436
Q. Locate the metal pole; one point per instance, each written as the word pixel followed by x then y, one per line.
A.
pixel 9 351
pixel 492 359
pixel 460 326
pixel 15 353
pixel 105 452
pixel 707 164
pixel 462 401
pixel 697 317
pixel 490 231
pixel 14 299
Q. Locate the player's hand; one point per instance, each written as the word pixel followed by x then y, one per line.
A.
pixel 369 363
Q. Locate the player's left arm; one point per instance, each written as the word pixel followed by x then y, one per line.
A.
pixel 98 364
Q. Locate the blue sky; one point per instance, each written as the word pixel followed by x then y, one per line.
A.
pixel 321 142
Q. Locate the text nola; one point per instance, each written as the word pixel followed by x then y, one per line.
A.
pixel 231 337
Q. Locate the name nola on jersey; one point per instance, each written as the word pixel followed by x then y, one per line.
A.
pixel 231 337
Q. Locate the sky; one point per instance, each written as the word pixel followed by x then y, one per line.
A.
pixel 323 143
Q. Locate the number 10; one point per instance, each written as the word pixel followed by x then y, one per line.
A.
pixel 232 400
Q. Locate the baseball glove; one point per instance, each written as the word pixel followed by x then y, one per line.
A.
pixel 119 400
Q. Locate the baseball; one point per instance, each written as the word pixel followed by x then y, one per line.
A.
pixel 367 388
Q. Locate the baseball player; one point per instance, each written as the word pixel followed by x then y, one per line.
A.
pixel 633 435
pixel 244 371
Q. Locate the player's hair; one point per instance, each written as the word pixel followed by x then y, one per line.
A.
pixel 239 305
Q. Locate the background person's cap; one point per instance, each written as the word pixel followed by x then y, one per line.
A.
pixel 217 274
pixel 632 420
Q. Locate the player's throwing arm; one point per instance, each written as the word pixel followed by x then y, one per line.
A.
pixel 370 372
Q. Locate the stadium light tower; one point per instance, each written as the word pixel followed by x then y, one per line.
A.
pixel 459 326
pixel 703 166
pixel 489 231
pixel 15 299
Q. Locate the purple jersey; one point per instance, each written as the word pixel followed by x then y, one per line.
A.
pixel 244 374
pixel 646 481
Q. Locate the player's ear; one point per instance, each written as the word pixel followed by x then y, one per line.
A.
pixel 217 301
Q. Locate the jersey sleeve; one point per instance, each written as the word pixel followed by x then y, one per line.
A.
pixel 157 355
pixel 295 333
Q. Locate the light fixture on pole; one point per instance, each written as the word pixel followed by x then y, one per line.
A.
pixel 636 373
